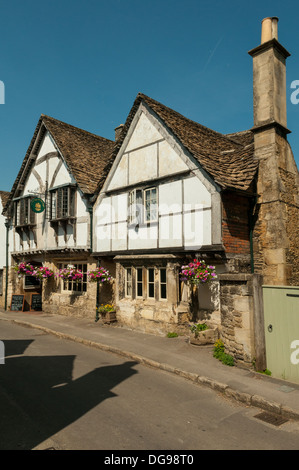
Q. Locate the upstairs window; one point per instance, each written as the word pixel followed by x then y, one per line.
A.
pixel 63 203
pixel 150 205
pixel 24 215
pixel 143 206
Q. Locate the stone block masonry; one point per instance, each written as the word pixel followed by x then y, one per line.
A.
pixel 238 316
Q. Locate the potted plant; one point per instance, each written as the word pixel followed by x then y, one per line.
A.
pixel 202 333
pixel 106 312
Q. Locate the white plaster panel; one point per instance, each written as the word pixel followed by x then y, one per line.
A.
pixel 103 212
pixel 63 176
pixel 143 164
pixel 120 177
pixel 197 228
pixel 46 147
pixel 195 194
pixel 170 197
pixel 143 134
pixel 170 231
pixel 103 237
pixel 119 207
pixel 31 184
pixel 119 236
pixel 81 206
pixel 169 161
pixel 81 234
pixel 144 238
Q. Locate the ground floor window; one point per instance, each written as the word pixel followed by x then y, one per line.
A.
pixel 75 286
pixel 163 284
pixel 146 282
pixel 139 282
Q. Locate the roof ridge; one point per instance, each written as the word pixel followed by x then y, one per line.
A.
pixel 216 133
pixel 43 116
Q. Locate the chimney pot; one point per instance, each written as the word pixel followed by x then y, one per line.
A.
pixel 269 29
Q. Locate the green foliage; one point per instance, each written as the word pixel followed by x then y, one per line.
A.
pixel 197 327
pixel 172 335
pixel 220 354
pixel 266 372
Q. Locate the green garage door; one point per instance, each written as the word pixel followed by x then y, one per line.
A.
pixel 281 316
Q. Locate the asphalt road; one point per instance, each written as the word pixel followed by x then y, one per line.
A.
pixel 63 395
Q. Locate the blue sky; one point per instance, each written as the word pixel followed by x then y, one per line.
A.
pixel 84 62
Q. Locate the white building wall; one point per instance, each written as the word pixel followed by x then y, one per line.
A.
pixel 50 171
pixel 185 202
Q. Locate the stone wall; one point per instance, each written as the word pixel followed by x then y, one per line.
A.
pixel 240 316
pixel 276 232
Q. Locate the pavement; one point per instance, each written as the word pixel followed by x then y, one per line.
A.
pixel 173 355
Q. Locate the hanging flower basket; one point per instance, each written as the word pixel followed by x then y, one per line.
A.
pixel 39 272
pixel 24 269
pixel 197 272
pixel 99 274
pixel 70 274
pixel 43 273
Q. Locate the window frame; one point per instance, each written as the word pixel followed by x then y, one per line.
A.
pixel 24 215
pixel 137 269
pixel 145 191
pixel 162 283
pixel 128 282
pixel 67 286
pixel 151 283
pixel 137 211
pixel 63 202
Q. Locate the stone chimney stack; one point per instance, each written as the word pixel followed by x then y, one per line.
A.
pixel 276 254
pixel 269 77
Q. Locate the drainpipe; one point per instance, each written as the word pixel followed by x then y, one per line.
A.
pixel 98 296
pixel 7 224
pixel 90 210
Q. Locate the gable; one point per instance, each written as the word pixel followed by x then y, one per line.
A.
pixel 49 167
pixel 146 155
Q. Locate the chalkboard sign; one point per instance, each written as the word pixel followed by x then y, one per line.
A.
pixel 31 282
pixel 36 302
pixel 17 302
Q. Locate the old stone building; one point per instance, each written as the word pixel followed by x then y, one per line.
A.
pixel 167 191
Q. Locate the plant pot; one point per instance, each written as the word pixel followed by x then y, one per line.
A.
pixel 108 317
pixel 208 336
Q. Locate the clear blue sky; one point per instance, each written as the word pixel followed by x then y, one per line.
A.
pixel 84 62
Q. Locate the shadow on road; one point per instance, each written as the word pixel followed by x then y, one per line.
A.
pixel 38 396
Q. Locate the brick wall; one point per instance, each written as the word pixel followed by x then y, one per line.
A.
pixel 235 223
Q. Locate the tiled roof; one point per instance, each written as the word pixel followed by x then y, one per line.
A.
pixel 228 159
pixel 4 195
pixel 85 154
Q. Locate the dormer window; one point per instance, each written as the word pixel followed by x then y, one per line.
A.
pixel 24 215
pixel 63 203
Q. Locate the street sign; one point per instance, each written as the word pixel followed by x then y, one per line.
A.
pixel 37 205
